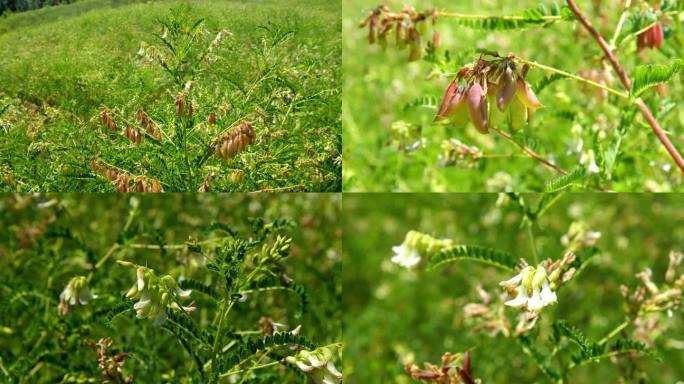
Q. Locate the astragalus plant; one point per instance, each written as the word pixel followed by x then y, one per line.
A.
pixel 219 305
pixel 519 307
pixel 570 88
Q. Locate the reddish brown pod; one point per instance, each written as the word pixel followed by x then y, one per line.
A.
pixel 145 122
pixel 212 118
pixel 107 121
pixel 651 38
pixel 234 141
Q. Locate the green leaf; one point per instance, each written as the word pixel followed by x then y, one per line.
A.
pixel 649 76
pixel 577 177
pixel 540 16
pixel 430 102
pixel 497 258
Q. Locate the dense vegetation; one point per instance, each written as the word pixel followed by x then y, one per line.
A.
pixel 105 95
pixel 172 289
pixel 591 125
pixel 596 331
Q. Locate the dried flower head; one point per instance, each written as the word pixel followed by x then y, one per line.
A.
pixel 408 25
pixel 488 93
pixel 110 365
pixel 454 369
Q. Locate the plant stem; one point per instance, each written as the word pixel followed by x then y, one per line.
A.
pixel 662 136
pixel 533 243
pixel 621 22
pixel 615 331
pixel 624 95
pixel 457 15
pixel 530 152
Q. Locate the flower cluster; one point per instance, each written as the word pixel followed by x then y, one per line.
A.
pixel 234 141
pixel 650 297
pixel 408 24
pixel 155 294
pixel 579 236
pixel 417 249
pixel 455 369
pixel 531 288
pixel 318 364
pixel 500 82
pixel 75 293
pixel 406 137
pixel 454 152
pixel 110 365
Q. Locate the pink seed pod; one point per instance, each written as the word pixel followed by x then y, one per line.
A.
pixel 507 90
pixel 526 95
pixel 657 35
pixel 435 39
pixel 179 106
pixel 190 110
pixel 453 98
pixel 415 45
pixel 477 108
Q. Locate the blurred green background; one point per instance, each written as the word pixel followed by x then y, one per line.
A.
pixel 378 85
pixel 31 264
pixel 393 316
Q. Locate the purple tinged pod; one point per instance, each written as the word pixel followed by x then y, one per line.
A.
pixel 415 52
pixel 526 95
pixel 452 99
pixel 477 107
pixel 507 90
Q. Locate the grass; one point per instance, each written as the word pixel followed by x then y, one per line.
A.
pixel 62 65
pixel 378 86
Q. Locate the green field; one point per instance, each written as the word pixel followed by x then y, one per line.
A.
pixel 278 69
pixel 381 89
pixel 394 316
pixel 209 244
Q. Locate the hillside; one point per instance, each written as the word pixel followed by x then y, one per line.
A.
pixel 278 69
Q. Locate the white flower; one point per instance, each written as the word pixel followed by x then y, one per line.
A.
pixel 588 159
pixel 520 301
pixel 75 293
pixel 318 364
pixel 532 289
pixel 405 256
pixel 547 295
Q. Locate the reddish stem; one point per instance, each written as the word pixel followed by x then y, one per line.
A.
pixel 628 84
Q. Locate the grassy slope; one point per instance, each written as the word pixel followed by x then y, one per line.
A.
pixel 72 60
pixel 377 86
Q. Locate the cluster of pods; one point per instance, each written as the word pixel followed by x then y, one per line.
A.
pixel 234 141
pixel 107 120
pixel 183 105
pixel 499 81
pixel 407 24
pixel 124 181
pixel 144 120
pixel 651 38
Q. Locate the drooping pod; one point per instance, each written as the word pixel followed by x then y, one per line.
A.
pixel 212 118
pixel 478 108
pixel 507 89
pixel 526 95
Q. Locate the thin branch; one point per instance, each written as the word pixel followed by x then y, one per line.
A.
pixel 530 152
pixel 624 95
pixel 662 136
